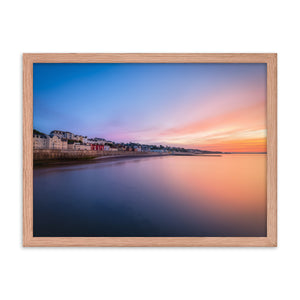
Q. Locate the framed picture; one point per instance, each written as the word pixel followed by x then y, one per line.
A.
pixel 165 150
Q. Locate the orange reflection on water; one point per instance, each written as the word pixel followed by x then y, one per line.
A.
pixel 155 196
pixel 230 189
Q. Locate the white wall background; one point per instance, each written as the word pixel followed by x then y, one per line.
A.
pixel 149 26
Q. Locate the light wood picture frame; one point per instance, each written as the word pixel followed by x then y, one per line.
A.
pixel 268 58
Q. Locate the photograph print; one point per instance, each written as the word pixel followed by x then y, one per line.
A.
pixel 149 149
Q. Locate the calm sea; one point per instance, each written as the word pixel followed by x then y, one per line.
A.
pixel 154 196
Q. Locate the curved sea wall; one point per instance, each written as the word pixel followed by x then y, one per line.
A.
pixel 46 154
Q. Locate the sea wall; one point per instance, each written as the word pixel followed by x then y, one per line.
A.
pixel 42 154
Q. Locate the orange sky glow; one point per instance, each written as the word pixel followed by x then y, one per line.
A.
pixel 231 121
pixel 219 107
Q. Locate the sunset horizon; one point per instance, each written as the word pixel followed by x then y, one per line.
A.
pixel 212 107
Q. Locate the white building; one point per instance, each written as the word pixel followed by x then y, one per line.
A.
pixel 82 147
pixel 58 133
pixel 49 142
pixel 78 138
pixel 40 142
pixel 64 144
pixel 55 142
pixel 62 134
pixel 69 135
pixel 71 146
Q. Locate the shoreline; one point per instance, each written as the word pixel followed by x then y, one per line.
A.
pixel 105 158
pixel 88 160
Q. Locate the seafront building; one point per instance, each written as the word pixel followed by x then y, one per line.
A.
pixel 65 140
pixel 49 142
pixel 78 146
pixel 62 134
pixel 68 141
pixel 40 142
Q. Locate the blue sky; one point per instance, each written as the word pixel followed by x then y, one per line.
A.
pixel 137 102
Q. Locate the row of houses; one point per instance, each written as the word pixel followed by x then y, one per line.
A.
pixel 64 140
pixel 79 138
pixel 49 142
pixel 66 135
pixel 54 142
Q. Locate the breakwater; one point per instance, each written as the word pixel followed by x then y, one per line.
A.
pixel 48 155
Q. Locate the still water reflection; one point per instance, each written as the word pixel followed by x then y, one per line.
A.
pixel 154 196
